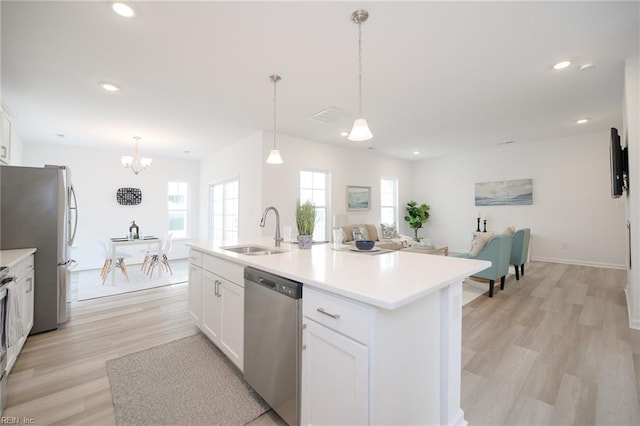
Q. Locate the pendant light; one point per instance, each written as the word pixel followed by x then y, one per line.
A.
pixel 274 155
pixel 360 130
pixel 135 162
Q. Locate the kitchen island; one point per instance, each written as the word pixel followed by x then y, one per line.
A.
pixel 381 332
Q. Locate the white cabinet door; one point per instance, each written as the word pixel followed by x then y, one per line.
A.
pixel 211 307
pixel 27 302
pixel 334 378
pixel 195 294
pixel 232 318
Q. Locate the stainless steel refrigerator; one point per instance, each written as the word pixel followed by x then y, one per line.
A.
pixel 38 209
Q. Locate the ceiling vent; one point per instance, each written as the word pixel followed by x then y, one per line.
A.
pixel 329 115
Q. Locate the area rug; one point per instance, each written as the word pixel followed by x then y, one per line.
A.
pixel 184 382
pixel 90 285
pixel 472 289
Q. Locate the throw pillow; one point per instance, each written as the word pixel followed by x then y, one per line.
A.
pixel 388 231
pixel 347 230
pixel 360 233
pixel 479 241
pixel 510 230
pixel 372 231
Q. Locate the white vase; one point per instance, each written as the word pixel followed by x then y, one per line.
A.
pixel 305 241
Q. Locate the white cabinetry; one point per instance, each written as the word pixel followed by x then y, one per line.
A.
pixel 364 365
pixel 195 286
pixel 5 137
pixel 21 289
pixel 335 361
pixel 223 316
pixel 221 305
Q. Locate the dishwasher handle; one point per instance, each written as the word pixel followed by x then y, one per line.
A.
pixel 267 283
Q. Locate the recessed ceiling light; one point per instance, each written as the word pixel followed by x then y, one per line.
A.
pixel 344 134
pixel 587 66
pixel 109 86
pixel 416 152
pixel 561 65
pixel 123 9
pixel 582 121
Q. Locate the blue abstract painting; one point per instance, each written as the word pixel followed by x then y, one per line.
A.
pixel 505 193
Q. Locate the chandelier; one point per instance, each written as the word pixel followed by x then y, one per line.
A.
pixel 360 130
pixel 135 163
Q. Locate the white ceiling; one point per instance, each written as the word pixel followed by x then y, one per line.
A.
pixel 438 77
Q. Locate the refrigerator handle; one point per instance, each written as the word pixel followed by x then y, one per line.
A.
pixel 73 206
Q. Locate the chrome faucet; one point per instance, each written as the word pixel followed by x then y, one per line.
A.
pixel 264 217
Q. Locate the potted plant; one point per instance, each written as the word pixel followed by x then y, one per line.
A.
pixel 305 221
pixel 416 216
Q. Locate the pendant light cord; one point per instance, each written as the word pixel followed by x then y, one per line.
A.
pixel 360 68
pixel 275 81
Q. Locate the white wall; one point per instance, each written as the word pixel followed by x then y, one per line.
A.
pixel 631 136
pixel 96 175
pixel 573 218
pixel 241 160
pixel 347 166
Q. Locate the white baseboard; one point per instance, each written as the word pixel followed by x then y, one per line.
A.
pixel 580 262
pixel 565 261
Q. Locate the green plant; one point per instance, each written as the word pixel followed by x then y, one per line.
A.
pixel 416 216
pixel 305 217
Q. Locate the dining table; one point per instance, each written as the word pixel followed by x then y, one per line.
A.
pixel 148 240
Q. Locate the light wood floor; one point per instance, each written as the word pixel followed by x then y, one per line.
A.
pixel 553 348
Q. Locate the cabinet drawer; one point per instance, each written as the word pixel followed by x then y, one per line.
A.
pixel 23 269
pixel 223 268
pixel 195 257
pixel 346 317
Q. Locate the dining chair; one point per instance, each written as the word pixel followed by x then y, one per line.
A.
pixel 520 250
pixel 498 251
pixel 108 260
pixel 152 257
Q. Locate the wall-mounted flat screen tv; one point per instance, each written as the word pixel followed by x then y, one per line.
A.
pixel 619 163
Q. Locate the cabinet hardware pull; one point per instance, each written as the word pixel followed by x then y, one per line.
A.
pixel 304 347
pixel 30 280
pixel 217 283
pixel 322 311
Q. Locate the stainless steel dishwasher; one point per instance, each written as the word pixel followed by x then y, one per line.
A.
pixel 272 340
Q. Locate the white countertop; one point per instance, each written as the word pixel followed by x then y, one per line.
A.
pixel 387 280
pixel 9 258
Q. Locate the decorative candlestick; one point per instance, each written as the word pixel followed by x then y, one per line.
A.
pixel 478 228
pixel 485 225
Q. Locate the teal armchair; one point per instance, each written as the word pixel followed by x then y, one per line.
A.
pixel 520 250
pixel 498 252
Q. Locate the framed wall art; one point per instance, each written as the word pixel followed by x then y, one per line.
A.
pixel 129 196
pixel 505 193
pixel 358 198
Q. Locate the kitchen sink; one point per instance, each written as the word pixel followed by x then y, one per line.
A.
pixel 252 250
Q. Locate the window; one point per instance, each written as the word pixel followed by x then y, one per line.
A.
pixel 313 187
pixel 223 211
pixel 389 200
pixel 178 201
